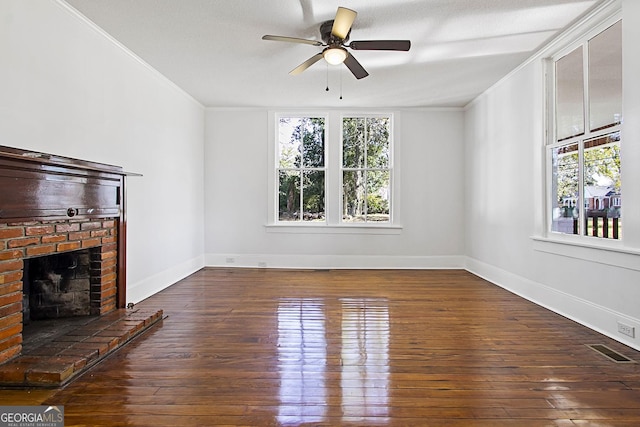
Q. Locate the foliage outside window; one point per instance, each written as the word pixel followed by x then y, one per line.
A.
pixel 333 169
pixel 301 169
pixel 366 173
pixel 586 190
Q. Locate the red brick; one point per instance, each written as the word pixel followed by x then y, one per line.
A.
pixel 11 265
pixel 10 288
pixel 109 255
pixel 91 242
pixel 109 224
pixel 54 238
pixel 55 373
pixel 9 354
pixel 41 250
pixel 10 332
pixel 38 230
pixel 68 246
pixel 13 276
pixel 108 270
pixel 99 233
pixel 10 309
pixel 106 240
pixel 11 254
pixel 90 225
pixel 109 262
pixel 65 228
pixel 14 319
pixel 19 243
pixel 10 233
pixel 9 299
pixel 79 235
pixel 109 247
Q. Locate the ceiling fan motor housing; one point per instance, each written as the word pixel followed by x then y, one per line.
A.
pixel 328 38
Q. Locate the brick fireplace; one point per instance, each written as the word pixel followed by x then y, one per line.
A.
pixel 72 211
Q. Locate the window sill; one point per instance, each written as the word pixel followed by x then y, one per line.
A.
pixel 608 253
pixel 321 228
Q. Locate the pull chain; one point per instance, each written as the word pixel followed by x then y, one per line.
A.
pixel 340 82
pixel 327 89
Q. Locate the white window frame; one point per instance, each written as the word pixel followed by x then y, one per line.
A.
pixel 390 167
pixel 551 142
pixel 333 176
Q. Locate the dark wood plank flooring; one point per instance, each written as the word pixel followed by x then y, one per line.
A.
pixel 256 347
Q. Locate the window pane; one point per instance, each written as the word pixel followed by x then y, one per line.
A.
pixel 313 196
pixel 353 193
pixel 311 133
pixel 378 196
pixel 289 196
pixel 602 186
pixel 377 142
pixel 569 95
pixel 565 181
pixel 301 142
pixel 289 150
pixel 605 78
pixel 353 142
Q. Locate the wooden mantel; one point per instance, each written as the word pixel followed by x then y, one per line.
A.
pixel 38 186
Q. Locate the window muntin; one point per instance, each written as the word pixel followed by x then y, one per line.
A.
pixel 366 169
pixel 301 169
pixel 585 163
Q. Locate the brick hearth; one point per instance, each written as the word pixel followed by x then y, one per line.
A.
pixel 55 360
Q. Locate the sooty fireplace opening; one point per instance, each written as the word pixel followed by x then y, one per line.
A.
pixel 57 285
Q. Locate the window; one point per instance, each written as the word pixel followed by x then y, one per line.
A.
pixel 584 152
pixel 366 173
pixel 333 169
pixel 301 173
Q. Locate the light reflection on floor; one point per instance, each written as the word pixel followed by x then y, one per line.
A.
pixel 363 336
pixel 302 353
pixel 365 360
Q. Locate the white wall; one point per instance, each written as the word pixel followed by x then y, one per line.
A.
pixel 66 88
pixel 432 178
pixel 504 184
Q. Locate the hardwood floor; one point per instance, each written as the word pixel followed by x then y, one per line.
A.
pixel 351 347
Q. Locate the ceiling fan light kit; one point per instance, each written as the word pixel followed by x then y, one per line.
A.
pixel 335 34
pixel 335 55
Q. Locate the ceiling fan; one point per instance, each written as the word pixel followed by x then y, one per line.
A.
pixel 335 35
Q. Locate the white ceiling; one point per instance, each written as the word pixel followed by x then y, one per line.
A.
pixel 213 48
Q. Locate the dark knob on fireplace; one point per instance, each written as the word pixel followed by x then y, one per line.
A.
pixel 72 212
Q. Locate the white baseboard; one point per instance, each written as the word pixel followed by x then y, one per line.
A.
pixel 142 289
pixel 335 261
pixel 593 316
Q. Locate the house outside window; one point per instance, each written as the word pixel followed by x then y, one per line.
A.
pixel 584 150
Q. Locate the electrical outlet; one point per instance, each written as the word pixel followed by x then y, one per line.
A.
pixel 627 330
pixel 230 260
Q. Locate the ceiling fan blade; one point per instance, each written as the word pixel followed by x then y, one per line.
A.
pixel 306 64
pixel 291 40
pixel 342 22
pixel 354 66
pixel 403 45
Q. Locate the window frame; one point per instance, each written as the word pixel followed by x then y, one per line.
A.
pixel 366 168
pixel 333 180
pixel 551 141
